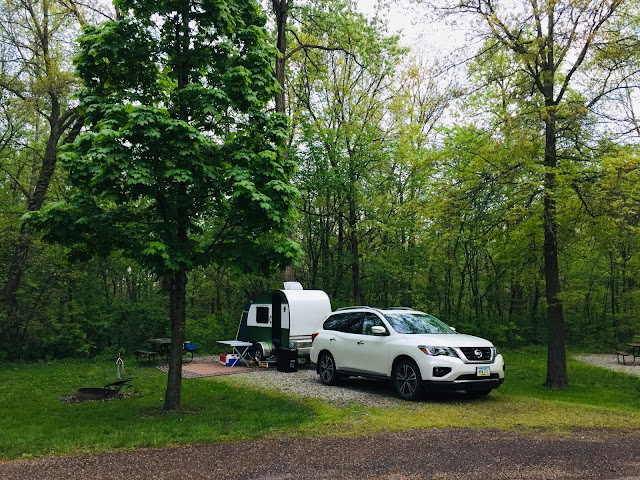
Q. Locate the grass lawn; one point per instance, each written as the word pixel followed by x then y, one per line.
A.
pixel 34 421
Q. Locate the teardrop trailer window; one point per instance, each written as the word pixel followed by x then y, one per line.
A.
pixel 262 315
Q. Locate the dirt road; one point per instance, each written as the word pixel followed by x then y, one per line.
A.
pixel 428 454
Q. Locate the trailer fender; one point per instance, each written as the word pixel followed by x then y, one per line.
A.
pixel 261 351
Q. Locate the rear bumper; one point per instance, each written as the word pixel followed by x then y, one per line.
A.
pixel 303 346
pixel 466 385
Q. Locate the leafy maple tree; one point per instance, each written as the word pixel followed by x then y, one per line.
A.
pixel 179 166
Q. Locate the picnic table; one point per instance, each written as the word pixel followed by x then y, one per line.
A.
pixel 635 353
pixel 160 347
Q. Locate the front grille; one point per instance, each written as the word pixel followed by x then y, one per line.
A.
pixel 478 354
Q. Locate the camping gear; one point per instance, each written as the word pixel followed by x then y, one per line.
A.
pixel 232 360
pixel 189 349
pixel 287 360
pixel 229 359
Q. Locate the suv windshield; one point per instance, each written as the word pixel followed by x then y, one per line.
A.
pixel 416 323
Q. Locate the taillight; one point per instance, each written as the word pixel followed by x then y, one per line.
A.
pixel 313 336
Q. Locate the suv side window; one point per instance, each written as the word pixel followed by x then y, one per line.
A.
pixel 345 322
pixel 332 323
pixel 355 323
pixel 370 320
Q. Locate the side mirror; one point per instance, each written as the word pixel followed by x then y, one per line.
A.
pixel 378 330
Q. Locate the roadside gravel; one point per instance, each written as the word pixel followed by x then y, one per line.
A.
pixel 425 454
pixel 610 361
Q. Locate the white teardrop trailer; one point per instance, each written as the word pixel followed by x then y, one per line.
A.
pixel 283 319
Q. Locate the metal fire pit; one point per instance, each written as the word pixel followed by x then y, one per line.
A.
pixel 110 390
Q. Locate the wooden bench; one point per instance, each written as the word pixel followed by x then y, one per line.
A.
pixel 624 356
pixel 140 353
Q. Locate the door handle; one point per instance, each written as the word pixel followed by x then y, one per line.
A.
pixel 360 342
pixel 332 339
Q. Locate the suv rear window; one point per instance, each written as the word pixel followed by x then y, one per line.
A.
pixel 413 323
pixel 345 322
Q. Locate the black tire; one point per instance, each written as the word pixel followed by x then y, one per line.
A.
pixel 407 380
pixel 258 354
pixel 327 369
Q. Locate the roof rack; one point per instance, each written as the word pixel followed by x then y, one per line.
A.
pixel 352 308
pixel 399 308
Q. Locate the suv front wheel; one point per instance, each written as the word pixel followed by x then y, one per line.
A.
pixel 407 379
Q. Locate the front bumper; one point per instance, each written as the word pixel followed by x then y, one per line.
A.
pixel 463 384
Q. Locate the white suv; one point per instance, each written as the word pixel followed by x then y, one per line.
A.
pixel 415 350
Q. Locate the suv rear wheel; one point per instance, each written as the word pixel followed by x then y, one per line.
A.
pixel 327 369
pixel 407 380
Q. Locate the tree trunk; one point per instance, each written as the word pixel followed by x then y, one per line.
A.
pixel 556 355
pixel 613 287
pixel 16 269
pixel 340 267
pixel 534 312
pixel 355 266
pixel 178 284
pixel 325 238
pixel 354 249
pixel 178 313
pixel 35 202
pixel 281 10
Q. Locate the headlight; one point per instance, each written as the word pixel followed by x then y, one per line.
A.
pixel 437 351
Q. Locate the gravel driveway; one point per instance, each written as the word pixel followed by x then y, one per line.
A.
pixel 306 383
pixel 369 392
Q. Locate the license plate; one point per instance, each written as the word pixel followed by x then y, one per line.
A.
pixel 483 371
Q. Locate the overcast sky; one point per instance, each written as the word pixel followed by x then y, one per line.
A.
pixel 424 36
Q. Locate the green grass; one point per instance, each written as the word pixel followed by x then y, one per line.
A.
pixel 588 384
pixel 35 422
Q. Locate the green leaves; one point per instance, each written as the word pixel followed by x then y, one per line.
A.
pixel 179 159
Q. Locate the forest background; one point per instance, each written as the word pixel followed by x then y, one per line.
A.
pixel 423 179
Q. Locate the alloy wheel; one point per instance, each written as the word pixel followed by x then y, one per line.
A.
pixel 407 380
pixel 327 369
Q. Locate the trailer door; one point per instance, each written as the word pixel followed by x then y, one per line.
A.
pixel 276 320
